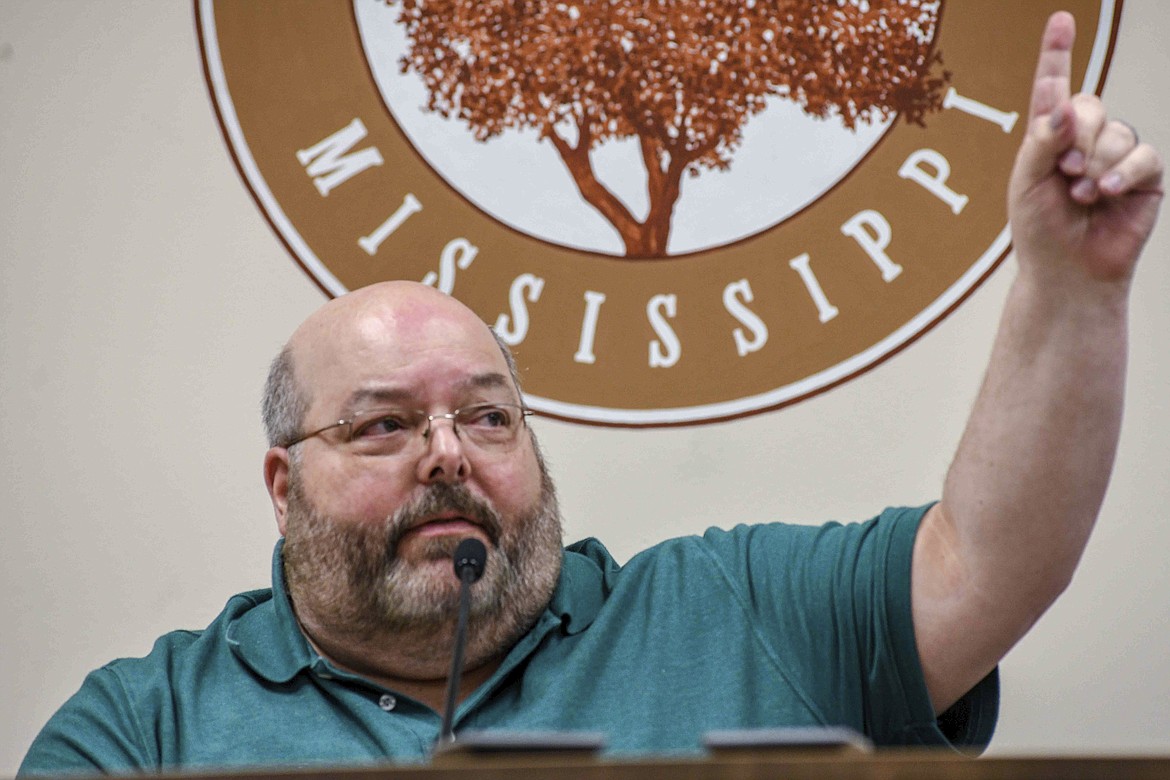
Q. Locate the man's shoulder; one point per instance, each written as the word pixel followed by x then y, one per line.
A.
pixel 692 560
pixel 765 549
pixel 183 652
pixel 113 720
pixel 594 551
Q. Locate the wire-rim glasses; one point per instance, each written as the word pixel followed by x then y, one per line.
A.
pixel 388 431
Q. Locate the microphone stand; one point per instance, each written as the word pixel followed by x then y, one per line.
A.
pixel 469 559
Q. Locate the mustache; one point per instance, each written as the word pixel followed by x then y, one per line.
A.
pixel 443 498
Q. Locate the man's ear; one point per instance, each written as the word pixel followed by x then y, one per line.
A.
pixel 276 479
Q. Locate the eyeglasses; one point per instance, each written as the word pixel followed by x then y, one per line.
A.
pixel 390 431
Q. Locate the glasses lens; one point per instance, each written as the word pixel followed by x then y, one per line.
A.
pixel 489 425
pixel 391 431
pixel 385 431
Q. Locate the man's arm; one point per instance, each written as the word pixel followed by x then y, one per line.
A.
pixel 95 732
pixel 1031 470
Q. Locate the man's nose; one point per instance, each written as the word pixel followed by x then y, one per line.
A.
pixel 445 457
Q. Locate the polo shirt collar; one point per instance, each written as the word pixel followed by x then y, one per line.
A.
pixel 267 636
pixel 586 572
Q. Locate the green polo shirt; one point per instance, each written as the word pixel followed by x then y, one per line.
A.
pixel 762 625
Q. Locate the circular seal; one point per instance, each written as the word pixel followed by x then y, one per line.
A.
pixel 674 213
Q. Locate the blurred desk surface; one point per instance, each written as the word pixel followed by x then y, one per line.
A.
pixel 746 765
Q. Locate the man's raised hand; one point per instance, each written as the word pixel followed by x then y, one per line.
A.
pixel 1084 193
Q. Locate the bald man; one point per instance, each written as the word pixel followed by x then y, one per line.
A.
pixel 397 428
pixel 475 473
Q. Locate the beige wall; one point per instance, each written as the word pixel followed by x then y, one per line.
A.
pixel 142 295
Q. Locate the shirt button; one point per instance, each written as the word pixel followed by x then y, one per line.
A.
pixel 387 702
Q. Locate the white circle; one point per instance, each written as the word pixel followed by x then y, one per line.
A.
pixel 787 160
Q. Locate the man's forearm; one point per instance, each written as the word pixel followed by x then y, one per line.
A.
pixel 1031 470
pixel 1027 481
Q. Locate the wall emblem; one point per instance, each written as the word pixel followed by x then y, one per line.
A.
pixel 675 212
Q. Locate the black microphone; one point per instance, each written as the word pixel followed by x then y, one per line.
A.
pixel 470 558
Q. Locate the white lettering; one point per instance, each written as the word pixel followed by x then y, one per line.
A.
pixel 973 107
pixel 325 163
pixel 825 310
pixel 748 318
pixel 410 206
pixel 871 230
pixel 513 330
pixel 665 350
pixel 458 252
pixel 936 183
pixel 593 301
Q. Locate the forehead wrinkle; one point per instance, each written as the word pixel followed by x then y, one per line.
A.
pixel 359 400
pixel 488 381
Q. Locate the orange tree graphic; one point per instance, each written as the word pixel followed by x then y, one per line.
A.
pixel 682 78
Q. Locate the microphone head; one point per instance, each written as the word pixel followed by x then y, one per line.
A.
pixel 470 558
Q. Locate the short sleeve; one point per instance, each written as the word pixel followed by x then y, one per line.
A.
pixel 94 732
pixel 834 602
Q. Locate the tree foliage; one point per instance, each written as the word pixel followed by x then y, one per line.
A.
pixel 681 77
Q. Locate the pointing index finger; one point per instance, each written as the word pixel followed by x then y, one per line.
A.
pixel 1052 87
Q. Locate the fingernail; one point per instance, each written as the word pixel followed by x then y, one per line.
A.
pixel 1056 118
pixel 1112 183
pixel 1083 189
pixel 1073 162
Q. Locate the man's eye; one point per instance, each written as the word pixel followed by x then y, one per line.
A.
pixel 388 425
pixel 489 417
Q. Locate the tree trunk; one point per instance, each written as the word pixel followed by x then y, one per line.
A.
pixel 643 240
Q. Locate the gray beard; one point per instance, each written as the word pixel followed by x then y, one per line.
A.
pixel 348 577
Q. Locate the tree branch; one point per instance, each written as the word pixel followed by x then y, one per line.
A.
pixel 595 193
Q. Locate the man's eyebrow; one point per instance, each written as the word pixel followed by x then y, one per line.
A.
pixel 488 381
pixel 372 397
pixel 367 398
